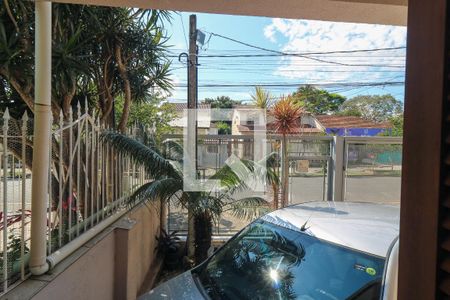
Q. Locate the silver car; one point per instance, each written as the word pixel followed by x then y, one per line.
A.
pixel 316 250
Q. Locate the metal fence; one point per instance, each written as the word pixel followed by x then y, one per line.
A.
pixel 321 168
pixel 373 169
pixel 15 204
pixel 88 182
pixel 212 153
pixel 309 163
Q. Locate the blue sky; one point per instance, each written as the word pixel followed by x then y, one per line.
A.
pixel 291 36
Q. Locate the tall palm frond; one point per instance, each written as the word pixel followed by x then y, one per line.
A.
pixel 270 164
pixel 157 190
pixel 173 150
pixel 153 162
pixel 203 206
pixel 248 208
pixel 206 203
pixel 231 179
pixel 261 98
pixel 287 115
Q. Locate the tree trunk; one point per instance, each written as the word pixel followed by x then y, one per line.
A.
pixel 284 172
pixel 106 97
pixel 276 191
pixel 191 235
pixel 127 97
pixel 203 236
pixel 67 100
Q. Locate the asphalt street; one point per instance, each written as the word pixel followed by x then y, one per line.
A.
pixel 380 189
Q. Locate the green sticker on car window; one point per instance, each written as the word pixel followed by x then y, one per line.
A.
pixel 371 271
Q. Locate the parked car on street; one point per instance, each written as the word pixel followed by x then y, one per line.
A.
pixel 315 250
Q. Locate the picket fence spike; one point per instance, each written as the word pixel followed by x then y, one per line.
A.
pixel 6 115
pixel 25 117
pixel 78 110
pixel 86 108
pixel 70 115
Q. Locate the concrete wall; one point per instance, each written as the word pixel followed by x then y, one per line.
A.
pixel 117 264
pixel 389 12
pixel 89 277
pixel 140 244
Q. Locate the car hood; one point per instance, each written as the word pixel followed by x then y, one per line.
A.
pixel 179 287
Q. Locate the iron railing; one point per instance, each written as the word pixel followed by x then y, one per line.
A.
pixel 88 183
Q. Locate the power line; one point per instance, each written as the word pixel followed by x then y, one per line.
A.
pixel 299 55
pixel 184 32
pixel 304 53
pixel 259 70
pixel 252 51
pixel 290 54
pixel 300 65
pixel 343 84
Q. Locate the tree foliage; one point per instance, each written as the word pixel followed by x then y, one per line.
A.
pixel 378 108
pixel 287 117
pixel 221 102
pixel 397 126
pixel 286 113
pixel 223 127
pixel 262 98
pixel 318 101
pixel 167 185
pixel 152 113
pixel 99 53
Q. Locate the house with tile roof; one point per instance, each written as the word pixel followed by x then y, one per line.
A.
pixel 204 124
pixel 309 124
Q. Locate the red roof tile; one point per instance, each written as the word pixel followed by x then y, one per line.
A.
pixel 330 121
pixel 179 107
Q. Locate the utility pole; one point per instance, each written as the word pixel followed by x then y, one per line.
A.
pixel 193 86
pixel 191 146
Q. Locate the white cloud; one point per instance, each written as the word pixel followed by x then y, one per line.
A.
pixel 269 32
pixel 318 36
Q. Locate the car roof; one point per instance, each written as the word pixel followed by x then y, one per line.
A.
pixel 367 227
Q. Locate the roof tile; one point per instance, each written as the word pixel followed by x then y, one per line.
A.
pixel 332 121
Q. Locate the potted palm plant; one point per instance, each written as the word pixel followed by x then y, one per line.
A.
pixel 168 244
pixel 167 184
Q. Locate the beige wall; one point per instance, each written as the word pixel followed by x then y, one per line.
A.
pixel 141 249
pixel 113 265
pixel 390 12
pixel 90 277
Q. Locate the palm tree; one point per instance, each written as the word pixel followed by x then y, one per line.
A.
pixel 167 184
pixel 272 176
pixel 261 98
pixel 287 116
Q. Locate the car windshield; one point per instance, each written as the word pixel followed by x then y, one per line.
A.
pixel 266 261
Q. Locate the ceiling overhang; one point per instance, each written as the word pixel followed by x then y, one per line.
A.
pixel 389 12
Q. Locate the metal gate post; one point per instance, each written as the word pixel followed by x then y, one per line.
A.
pixel 338 165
